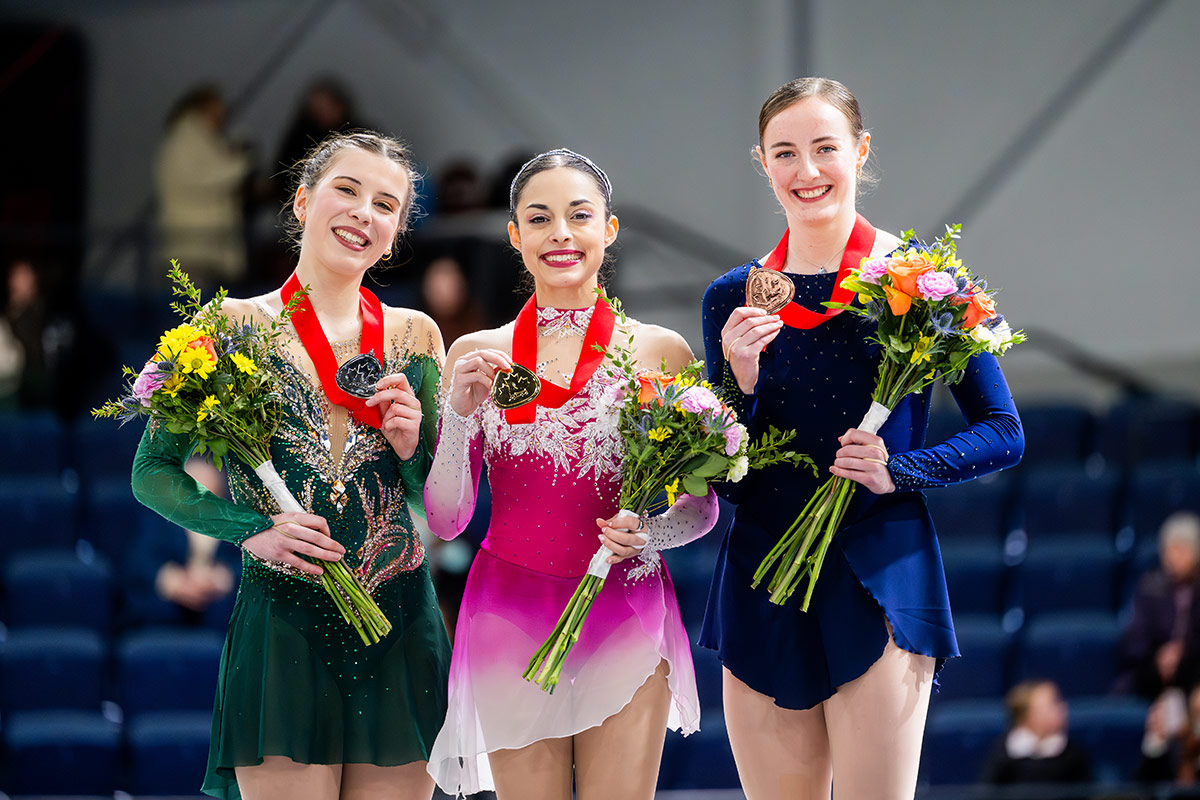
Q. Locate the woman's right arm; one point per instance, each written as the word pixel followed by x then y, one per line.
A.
pixel 453 482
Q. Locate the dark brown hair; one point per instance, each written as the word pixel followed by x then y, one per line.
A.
pixel 554 159
pixel 309 170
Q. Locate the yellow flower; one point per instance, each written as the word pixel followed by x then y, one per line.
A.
pixel 176 340
pixel 173 384
pixel 659 434
pixel 199 360
pixel 672 489
pixel 207 407
pixel 921 350
pixel 244 364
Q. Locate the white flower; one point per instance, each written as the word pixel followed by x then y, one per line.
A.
pixel 738 469
pixel 995 340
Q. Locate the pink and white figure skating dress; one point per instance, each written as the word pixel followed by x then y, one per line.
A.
pixel 550 481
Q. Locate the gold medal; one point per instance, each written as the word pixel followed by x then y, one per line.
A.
pixel 515 388
pixel 769 290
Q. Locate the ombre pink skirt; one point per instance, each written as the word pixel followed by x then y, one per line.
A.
pixel 507 612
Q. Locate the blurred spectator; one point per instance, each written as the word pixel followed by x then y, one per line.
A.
pixel 1171 746
pixel 200 179
pixel 326 107
pixel 1036 748
pixel 24 368
pixel 447 298
pixel 460 189
pixel 177 577
pixel 1161 646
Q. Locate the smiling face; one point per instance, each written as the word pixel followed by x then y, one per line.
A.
pixel 352 214
pixel 812 158
pixel 561 230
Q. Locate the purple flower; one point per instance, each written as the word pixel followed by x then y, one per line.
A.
pixel 943 324
pixel 698 399
pixel 872 270
pixel 936 285
pixel 148 380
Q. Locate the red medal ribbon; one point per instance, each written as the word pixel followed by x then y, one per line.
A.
pixel 524 352
pixel 316 344
pixel 858 247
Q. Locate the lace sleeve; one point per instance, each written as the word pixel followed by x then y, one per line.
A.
pixel 685 521
pixel 453 481
pixel 160 483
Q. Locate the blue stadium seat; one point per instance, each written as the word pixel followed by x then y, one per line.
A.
pixel 1068 499
pixel 978 510
pixel 975 576
pixel 1057 433
pixel 38 513
pixel 111 516
pixel 983 670
pixel 1148 429
pixel 168 752
pixel 700 761
pixel 165 669
pixel 31 445
pixel 102 449
pixel 1070 573
pixel 55 588
pixel 1159 489
pixel 958 736
pixel 1076 650
pixel 1111 728
pixel 52 669
pixel 708 679
pixel 62 752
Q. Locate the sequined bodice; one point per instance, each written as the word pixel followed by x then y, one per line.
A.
pixel 356 486
pixel 552 478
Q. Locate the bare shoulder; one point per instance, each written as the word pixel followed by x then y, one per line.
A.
pixel 487 339
pixel 656 344
pixel 253 308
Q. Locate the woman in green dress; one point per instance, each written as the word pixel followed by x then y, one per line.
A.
pixel 304 709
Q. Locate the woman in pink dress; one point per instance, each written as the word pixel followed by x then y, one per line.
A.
pixel 555 472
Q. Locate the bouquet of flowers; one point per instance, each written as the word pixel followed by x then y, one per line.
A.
pixel 206 381
pixel 678 436
pixel 932 315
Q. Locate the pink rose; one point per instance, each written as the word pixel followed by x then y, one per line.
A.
pixel 936 285
pixel 697 400
pixel 872 270
pixel 148 381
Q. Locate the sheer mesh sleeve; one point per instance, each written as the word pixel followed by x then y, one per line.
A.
pixel 160 483
pixel 415 470
pixel 686 520
pixel 993 439
pixel 453 481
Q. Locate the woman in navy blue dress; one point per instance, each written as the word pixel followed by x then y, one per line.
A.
pixel 835 696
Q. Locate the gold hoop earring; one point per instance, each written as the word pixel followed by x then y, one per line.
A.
pixel 387 255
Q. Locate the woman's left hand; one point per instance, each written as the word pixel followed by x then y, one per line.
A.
pixel 863 458
pixel 401 413
pixel 624 534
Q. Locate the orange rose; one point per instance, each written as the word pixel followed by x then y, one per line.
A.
pixel 649 383
pixel 905 272
pixel 898 301
pixel 206 343
pixel 982 307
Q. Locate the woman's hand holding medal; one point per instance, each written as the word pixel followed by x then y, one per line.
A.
pixel 746 334
pixel 474 374
pixel 401 412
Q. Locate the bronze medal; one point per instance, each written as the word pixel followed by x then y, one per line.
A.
pixel 769 290
pixel 358 376
pixel 516 388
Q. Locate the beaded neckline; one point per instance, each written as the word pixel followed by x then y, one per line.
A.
pixel 562 322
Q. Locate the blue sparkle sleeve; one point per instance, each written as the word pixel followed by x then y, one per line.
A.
pixel 992 440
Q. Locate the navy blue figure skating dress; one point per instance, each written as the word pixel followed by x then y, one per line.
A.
pixel 884 563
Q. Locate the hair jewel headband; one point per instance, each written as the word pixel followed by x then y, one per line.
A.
pixel 605 183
